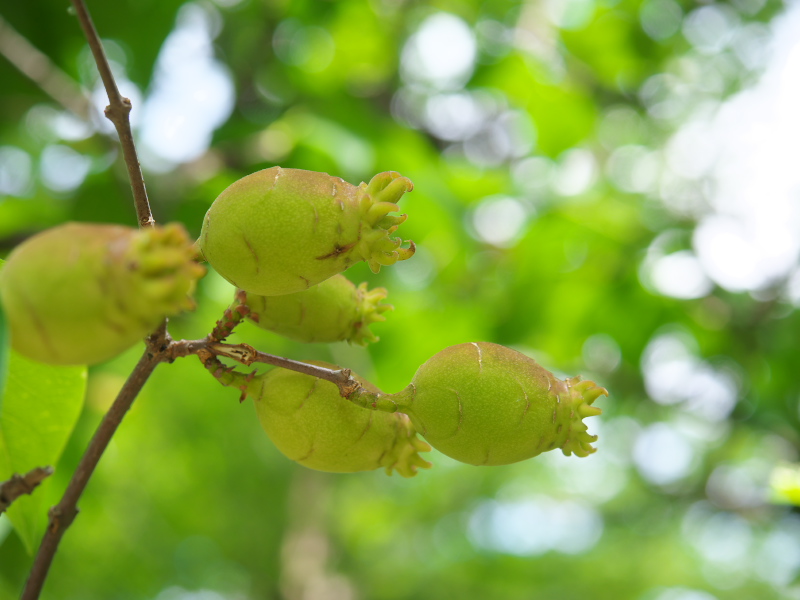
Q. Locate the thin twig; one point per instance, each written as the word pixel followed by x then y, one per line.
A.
pixel 247 355
pixel 38 67
pixel 21 484
pixel 162 349
pixel 349 387
pixel 117 112
pixel 62 515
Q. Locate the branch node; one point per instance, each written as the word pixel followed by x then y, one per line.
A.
pixel 22 484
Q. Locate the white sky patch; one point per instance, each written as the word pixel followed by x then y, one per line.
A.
pixel 673 374
pixel 682 593
pixel 535 525
pixel 601 353
pixel 778 558
pixel 533 175
pixel 62 168
pixel 441 53
pixel 633 169
pixel 569 14
pixel 16 168
pixel 662 454
pixel 577 171
pixel 596 478
pixel 710 28
pixel 680 275
pixel 499 220
pixel 724 541
pixel 746 151
pixel 454 116
pixel 660 19
pixel 191 94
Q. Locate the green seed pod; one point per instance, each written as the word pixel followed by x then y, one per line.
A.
pixel 280 231
pixel 334 310
pixel 312 424
pixel 82 293
pixel 485 404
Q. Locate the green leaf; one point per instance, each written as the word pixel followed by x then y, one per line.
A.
pixel 4 348
pixel 40 407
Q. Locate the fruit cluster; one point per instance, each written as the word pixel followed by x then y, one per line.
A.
pixel 81 293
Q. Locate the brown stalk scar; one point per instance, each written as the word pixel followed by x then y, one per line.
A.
pixel 413 394
pixel 253 252
pixel 307 455
pixel 366 429
pixel 460 410
pixel 310 391
pixel 337 250
pixel 116 327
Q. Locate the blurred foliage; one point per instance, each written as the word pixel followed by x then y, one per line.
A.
pixel 511 118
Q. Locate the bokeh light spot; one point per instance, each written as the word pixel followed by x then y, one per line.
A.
pixel 16 168
pixel 441 53
pixel 62 168
pixel 499 220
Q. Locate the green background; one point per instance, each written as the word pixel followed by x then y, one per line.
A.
pixel 527 237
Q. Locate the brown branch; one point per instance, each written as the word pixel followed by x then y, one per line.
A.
pixel 349 386
pixel 62 515
pixel 117 112
pixel 21 484
pixel 247 355
pixel 38 67
pixel 160 348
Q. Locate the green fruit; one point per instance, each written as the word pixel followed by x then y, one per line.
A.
pixel 280 231
pixel 312 424
pixel 485 404
pixel 82 293
pixel 332 311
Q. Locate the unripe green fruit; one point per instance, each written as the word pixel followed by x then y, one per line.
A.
pixel 334 310
pixel 280 231
pixel 485 404
pixel 82 293
pixel 312 424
